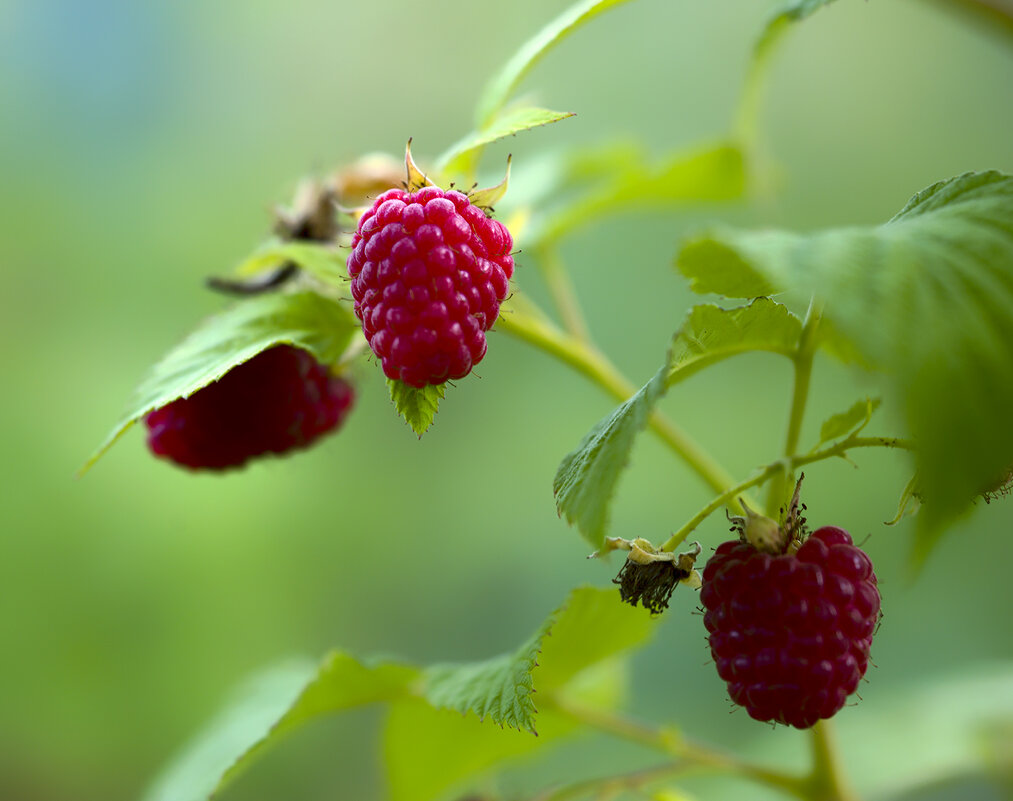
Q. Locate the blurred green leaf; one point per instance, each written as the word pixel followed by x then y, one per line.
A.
pixel 324 262
pixel 857 417
pixel 586 478
pixel 712 334
pixel 304 319
pixel 580 644
pixel 418 406
pixel 711 173
pixel 501 86
pixel 928 298
pixel 510 122
pixel 265 710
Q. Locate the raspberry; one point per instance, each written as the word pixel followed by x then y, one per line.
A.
pixel 279 400
pixel 429 270
pixel 791 633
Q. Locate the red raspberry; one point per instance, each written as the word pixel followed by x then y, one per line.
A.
pixel 280 400
pixel 791 633
pixel 429 270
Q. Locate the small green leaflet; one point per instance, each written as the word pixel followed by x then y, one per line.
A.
pixel 580 644
pixel 710 173
pixel 418 406
pixel 587 477
pixel 265 710
pixel 928 299
pixel 429 707
pixel 509 123
pixel 712 334
pixel 501 86
pixel 304 319
pixel 849 422
pixel 324 262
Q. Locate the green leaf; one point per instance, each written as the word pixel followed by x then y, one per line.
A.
pixel 850 422
pixel 712 334
pixel 711 173
pixel 324 262
pixel 509 123
pixel 417 406
pixel 586 478
pixel 928 299
pixel 580 643
pixel 502 85
pixel 304 319
pixel 265 710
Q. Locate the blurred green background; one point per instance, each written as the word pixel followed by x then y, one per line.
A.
pixel 142 146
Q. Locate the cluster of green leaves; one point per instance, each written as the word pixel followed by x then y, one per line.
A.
pixel 575 656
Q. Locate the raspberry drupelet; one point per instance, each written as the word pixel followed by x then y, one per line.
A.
pixel 429 270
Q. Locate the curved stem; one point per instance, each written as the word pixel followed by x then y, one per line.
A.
pixel 780 468
pixel 803 361
pixel 827 781
pixel 563 294
pixel 529 325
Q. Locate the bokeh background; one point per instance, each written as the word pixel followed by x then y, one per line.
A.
pixel 142 147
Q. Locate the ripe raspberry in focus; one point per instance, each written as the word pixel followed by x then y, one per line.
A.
pixel 279 400
pixel 791 633
pixel 429 270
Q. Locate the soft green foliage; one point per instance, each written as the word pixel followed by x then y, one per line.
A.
pixel 267 708
pixel 501 86
pixel 928 299
pixel 848 422
pixel 305 319
pixel 624 180
pixel 418 406
pixel 712 334
pixel 434 711
pixel 323 262
pixel 510 122
pixel 586 478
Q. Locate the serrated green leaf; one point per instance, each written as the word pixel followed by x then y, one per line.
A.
pixel 304 319
pixel 713 269
pixel 324 262
pixel 927 298
pixel 712 334
pixel 265 710
pixel 710 173
pixel 500 87
pixel 850 421
pixel 509 123
pixel 586 478
pixel 909 502
pixel 418 406
pixel 579 643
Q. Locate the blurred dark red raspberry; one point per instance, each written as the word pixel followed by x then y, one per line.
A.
pixel 791 633
pixel 429 270
pixel 279 400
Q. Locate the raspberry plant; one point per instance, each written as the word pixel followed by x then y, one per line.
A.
pixel 390 267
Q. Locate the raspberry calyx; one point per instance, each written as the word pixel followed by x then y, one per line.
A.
pixel 429 270
pixel 280 400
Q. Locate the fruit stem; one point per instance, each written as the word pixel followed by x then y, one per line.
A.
pixel 780 468
pixel 827 781
pixel 803 363
pixel 689 753
pixel 563 293
pixel 526 322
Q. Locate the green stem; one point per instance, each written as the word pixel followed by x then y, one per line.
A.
pixel 688 753
pixel 563 294
pixel 992 16
pixel 827 781
pixel 803 363
pixel 530 326
pixel 780 468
